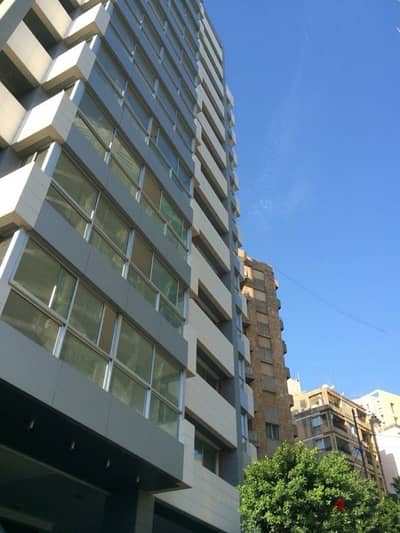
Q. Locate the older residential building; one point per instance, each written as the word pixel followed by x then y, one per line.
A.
pixel 329 421
pixel 266 373
pixel 121 348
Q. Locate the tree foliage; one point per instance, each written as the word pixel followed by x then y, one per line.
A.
pixel 295 491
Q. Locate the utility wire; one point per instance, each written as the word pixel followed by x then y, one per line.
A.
pixel 331 305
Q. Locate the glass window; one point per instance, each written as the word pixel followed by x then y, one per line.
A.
pixel 138 106
pixel 151 35
pixel 127 390
pixel 171 215
pixel 166 102
pixel 96 118
pixel 62 206
pixel 111 223
pixel 122 31
pixel 87 312
pixel 167 284
pixel 151 188
pixel 205 453
pixel 45 278
pixel 138 281
pixel 135 351
pixel 80 356
pixel 113 72
pixel 166 148
pixel 75 183
pixel 170 314
pixel 316 421
pixel 105 248
pixel 272 431
pixel 166 377
pixel 31 322
pixel 145 68
pixel 126 164
pixel 165 417
pixel 142 255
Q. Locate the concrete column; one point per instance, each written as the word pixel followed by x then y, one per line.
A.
pixel 144 512
pixel 120 512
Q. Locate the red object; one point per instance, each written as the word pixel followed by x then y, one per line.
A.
pixel 339 504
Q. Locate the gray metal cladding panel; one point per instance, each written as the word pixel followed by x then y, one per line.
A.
pixel 31 369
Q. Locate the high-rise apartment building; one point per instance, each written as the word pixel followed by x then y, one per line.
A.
pixel 267 373
pixel 121 345
pixel 385 406
pixel 327 420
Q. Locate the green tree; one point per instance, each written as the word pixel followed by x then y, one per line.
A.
pixel 295 491
pixel 396 485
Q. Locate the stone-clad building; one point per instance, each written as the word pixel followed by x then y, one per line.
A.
pixel 267 373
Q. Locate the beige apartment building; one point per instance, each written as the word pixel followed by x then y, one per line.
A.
pixel 267 373
pixel 329 421
pixel 384 405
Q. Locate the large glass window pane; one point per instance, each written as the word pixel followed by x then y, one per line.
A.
pixel 142 255
pixel 167 284
pixel 111 223
pixel 145 68
pixel 82 126
pixel 171 215
pixel 45 278
pixel 138 107
pixel 107 250
pixel 96 118
pixel 86 313
pixel 166 102
pixel 113 71
pixel 165 417
pixel 151 188
pixel 122 31
pixel 127 390
pixel 166 377
pixel 129 164
pixel 135 351
pixel 60 204
pixel 170 314
pixel 84 359
pixel 31 322
pixel 167 150
pixel 142 285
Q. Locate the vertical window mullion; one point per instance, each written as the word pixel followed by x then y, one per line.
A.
pixel 63 328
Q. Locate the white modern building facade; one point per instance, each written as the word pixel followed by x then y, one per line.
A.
pixel 124 408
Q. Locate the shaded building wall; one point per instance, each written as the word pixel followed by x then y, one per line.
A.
pixel 267 374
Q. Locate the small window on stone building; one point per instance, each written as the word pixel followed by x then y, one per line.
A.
pixel 272 431
pixel 259 295
pixel 257 274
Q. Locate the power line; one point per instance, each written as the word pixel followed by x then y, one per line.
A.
pixel 332 305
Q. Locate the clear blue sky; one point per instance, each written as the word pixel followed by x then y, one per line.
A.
pixel 317 91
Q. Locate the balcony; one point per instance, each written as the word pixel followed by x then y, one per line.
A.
pixel 50 120
pixel 214 412
pixel 200 328
pixel 22 194
pixel 203 226
pixel 203 274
